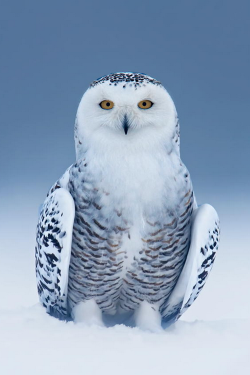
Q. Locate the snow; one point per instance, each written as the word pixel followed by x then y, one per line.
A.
pixel 32 340
pixel 213 336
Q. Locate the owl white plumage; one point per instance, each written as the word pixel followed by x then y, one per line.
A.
pixel 120 234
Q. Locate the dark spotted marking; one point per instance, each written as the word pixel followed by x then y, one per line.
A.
pixel 137 79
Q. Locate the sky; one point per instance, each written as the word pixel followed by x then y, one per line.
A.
pixel 52 50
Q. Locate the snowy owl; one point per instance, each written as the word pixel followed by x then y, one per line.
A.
pixel 120 233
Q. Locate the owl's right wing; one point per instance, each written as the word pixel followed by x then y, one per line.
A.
pixel 202 251
pixel 53 249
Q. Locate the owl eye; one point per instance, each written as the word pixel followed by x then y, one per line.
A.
pixel 145 104
pixel 106 104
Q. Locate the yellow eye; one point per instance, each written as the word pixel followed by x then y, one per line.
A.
pixel 145 104
pixel 106 104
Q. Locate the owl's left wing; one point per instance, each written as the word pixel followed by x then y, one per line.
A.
pixel 202 251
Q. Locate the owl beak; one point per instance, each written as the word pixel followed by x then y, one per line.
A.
pixel 125 124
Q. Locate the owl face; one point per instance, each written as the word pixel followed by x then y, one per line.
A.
pixel 127 108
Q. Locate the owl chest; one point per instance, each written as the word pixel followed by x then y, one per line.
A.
pixel 120 250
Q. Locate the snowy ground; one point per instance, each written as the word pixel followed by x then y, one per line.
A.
pixel 213 337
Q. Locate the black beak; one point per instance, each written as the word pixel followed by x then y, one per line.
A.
pixel 125 124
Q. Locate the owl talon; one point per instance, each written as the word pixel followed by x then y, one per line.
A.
pixel 148 317
pixel 87 312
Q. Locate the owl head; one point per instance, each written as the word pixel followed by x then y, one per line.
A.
pixel 130 111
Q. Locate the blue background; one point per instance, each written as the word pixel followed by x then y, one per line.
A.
pixel 52 50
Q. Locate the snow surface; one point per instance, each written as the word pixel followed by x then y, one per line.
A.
pixel 213 336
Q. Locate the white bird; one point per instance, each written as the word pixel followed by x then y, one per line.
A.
pixel 120 232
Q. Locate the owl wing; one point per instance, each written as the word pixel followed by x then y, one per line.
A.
pixel 53 249
pixel 199 262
